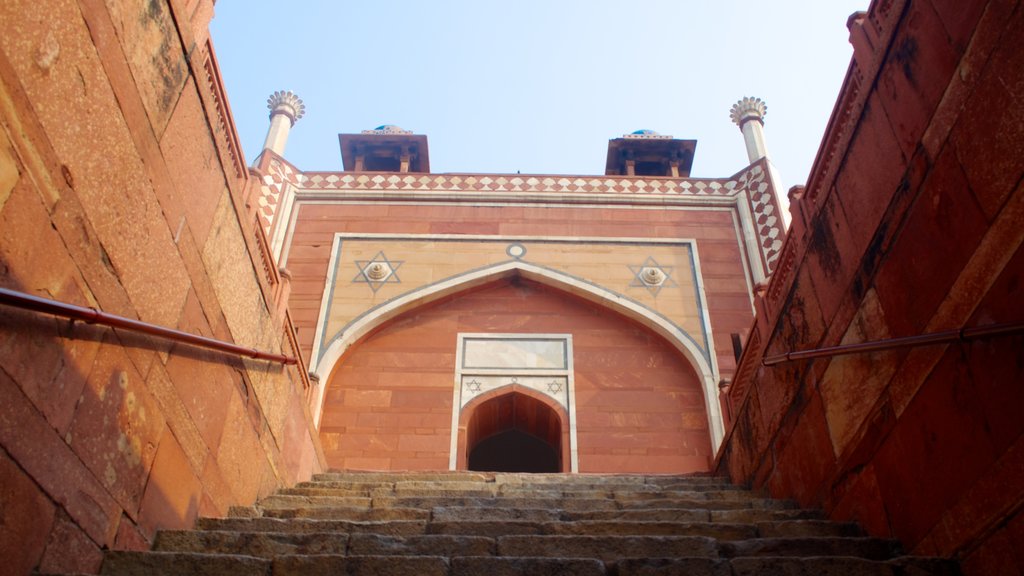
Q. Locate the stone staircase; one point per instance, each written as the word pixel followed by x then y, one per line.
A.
pixel 456 524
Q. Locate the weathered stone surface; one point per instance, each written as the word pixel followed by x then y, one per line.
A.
pixel 154 53
pixel 354 514
pixel 490 529
pixel 290 501
pixel 8 171
pixel 118 426
pixel 241 458
pixel 914 566
pixel 436 501
pixel 673 566
pixel 122 563
pixel 261 544
pixel 869 548
pixel 645 515
pixel 234 279
pixel 299 525
pixel 171 499
pixel 69 550
pixel 811 567
pixel 371 479
pixel 526 567
pixel 312 537
pixel 473 513
pixel 607 547
pixel 803 528
pixel 432 544
pixel 37 449
pixel 718 531
pixel 198 191
pixel 761 515
pixel 360 566
pixel 26 518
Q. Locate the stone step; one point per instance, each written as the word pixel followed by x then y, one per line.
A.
pixel 635 479
pixel 720 531
pixel 449 521
pixel 384 477
pixel 131 563
pixel 728 515
pixel 304 525
pixel 520 478
pixel 258 544
pixel 361 566
pixel 498 528
pixel 292 501
pixel 617 547
pixel 461 523
pixel 502 484
pixel 723 541
pixel 367 488
pixel 783 566
pixel 118 563
pixel 352 514
pixel 490 490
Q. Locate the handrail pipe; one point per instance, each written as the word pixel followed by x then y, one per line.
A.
pixel 93 316
pixel 945 337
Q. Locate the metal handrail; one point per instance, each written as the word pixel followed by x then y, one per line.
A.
pixel 944 337
pixel 93 316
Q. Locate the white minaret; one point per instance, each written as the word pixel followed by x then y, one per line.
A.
pixel 749 115
pixel 285 110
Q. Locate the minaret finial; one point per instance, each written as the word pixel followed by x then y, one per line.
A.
pixel 287 103
pixel 742 113
pixel 285 110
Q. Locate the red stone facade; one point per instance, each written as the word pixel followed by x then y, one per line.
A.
pixel 121 190
pixel 640 406
pixel 911 223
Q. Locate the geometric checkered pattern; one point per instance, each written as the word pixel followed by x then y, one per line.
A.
pixel 515 183
pixel 765 211
pixel 271 188
pixel 751 186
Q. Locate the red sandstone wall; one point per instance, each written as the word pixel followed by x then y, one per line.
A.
pixel 911 223
pixel 640 404
pixel 121 188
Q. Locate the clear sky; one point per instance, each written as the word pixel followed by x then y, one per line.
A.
pixel 537 86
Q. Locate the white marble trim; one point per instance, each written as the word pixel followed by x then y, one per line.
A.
pixel 626 306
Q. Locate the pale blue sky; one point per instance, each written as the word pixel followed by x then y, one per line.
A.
pixel 538 86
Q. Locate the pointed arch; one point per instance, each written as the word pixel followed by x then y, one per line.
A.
pixel 679 338
pixel 465 440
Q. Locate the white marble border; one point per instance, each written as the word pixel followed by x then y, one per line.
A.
pixel 706 367
pixel 568 372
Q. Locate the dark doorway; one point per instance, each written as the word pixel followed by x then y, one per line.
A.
pixel 514 433
pixel 513 451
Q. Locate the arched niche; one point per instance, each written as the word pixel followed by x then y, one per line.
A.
pixel 701 361
pixel 513 429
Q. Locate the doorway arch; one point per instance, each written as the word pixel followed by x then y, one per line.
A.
pixel 703 363
pixel 513 429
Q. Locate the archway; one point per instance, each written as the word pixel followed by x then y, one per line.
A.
pixel 629 402
pixel 513 429
pixel 704 365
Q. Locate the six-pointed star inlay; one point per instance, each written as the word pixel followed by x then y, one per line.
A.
pixel 378 271
pixel 652 276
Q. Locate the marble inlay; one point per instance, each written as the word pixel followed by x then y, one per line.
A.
pixel 555 387
pixel 652 276
pixel 521 354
